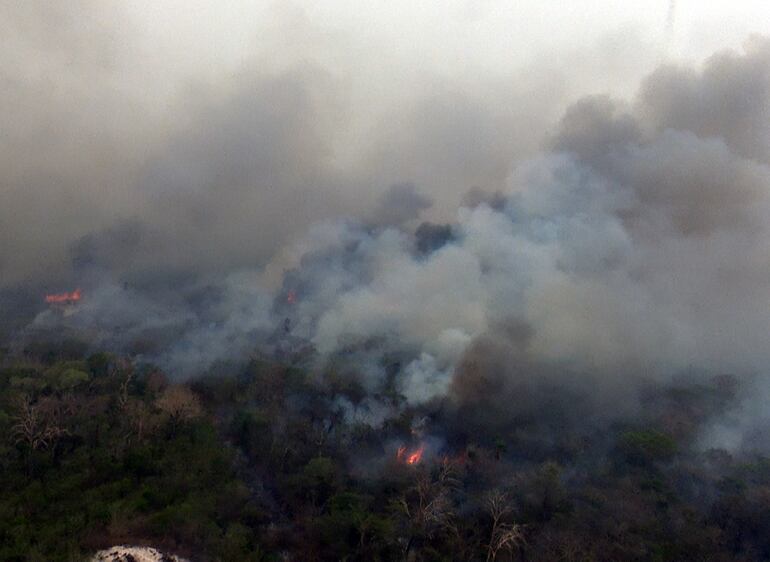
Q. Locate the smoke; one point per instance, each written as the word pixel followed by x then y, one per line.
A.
pixel 111 125
pixel 670 20
pixel 742 427
pixel 400 204
pixel 628 245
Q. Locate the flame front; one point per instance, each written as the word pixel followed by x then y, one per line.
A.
pixel 59 298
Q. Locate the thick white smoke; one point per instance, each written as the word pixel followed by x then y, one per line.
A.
pixel 631 246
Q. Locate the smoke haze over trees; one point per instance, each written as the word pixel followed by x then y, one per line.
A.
pixel 632 246
pixel 501 250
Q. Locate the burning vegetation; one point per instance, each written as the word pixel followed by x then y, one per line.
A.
pixel 410 457
pixel 64 298
pixel 265 458
pixel 570 367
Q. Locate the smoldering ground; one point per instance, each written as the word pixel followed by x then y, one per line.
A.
pixel 630 247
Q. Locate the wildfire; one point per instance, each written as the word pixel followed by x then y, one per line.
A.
pixel 291 298
pixel 64 298
pixel 413 457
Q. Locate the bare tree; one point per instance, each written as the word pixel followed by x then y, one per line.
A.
pixel 35 427
pixel 125 368
pixel 141 421
pixel 180 404
pixel 428 504
pixel 503 535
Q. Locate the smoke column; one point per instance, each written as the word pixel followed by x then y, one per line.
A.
pixel 477 244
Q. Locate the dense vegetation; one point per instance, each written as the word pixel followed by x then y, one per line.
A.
pixel 259 463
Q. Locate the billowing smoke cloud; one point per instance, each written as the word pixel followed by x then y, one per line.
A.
pixel 400 204
pixel 203 168
pixel 632 247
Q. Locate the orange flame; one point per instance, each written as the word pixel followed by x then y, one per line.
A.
pixel 291 298
pixel 60 298
pixel 413 457
pixel 416 456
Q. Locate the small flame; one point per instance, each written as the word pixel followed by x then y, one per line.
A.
pixel 291 298
pixel 60 298
pixel 413 457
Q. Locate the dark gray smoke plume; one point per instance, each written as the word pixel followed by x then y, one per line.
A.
pixel 632 247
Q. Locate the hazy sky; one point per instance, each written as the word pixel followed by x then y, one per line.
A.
pixel 385 54
pixel 111 106
pixel 450 38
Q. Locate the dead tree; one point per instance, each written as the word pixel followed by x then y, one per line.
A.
pixel 428 505
pixel 125 368
pixel 180 405
pixel 503 535
pixel 36 428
